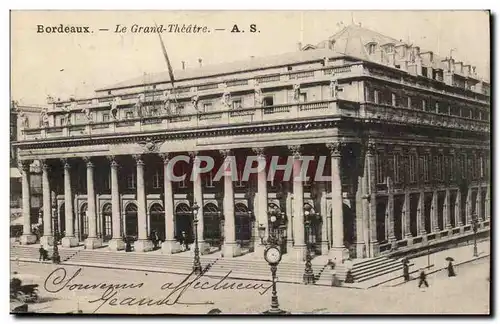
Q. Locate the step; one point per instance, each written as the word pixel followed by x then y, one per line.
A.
pixel 378 267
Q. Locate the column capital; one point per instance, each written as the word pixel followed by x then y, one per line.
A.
pixel 88 160
pixel 24 165
pixel 260 151
pixel 335 148
pixel 138 159
pixel 371 148
pixel 296 150
pixel 66 163
pixel 165 157
pixel 45 165
pixel 225 153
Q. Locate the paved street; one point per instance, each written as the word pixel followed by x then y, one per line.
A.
pixel 468 293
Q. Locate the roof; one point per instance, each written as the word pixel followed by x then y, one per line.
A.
pixel 350 41
pixel 255 63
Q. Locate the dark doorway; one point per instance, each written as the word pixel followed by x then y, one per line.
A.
pixel 398 213
pixel 243 224
pixel 381 219
pixel 211 224
pixel 184 222
pixel 84 222
pixel 157 221
pixel 107 222
pixel 414 198
pixel 62 221
pixel 131 223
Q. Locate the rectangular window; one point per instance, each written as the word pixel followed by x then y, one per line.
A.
pixel 451 167
pixel 129 115
pixel 413 168
pixel 179 110
pixel 182 183
pixel 105 117
pixel 207 107
pixel 381 168
pixel 209 180
pixel 397 168
pixel 423 167
pixel 303 97
pixel 424 104
pixel 154 112
pixel 157 180
pixel 237 104
pixel 107 182
pixel 131 181
pixel 369 95
pixel 268 101
pixel 376 96
pixel 394 99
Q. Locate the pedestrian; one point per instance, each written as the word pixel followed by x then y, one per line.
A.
pixel 41 252
pixel 423 279
pixel 184 240
pixel 406 271
pixel 451 271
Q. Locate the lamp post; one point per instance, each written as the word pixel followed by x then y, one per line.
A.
pixel 56 258
pixel 272 255
pixel 196 262
pixel 308 277
pixel 474 229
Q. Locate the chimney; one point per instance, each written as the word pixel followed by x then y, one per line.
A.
pixel 299 45
pixel 459 67
pixel 183 65
pixel 200 61
pixel 473 70
pixel 467 69
pixel 428 56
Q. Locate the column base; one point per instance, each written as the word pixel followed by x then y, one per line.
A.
pixel 116 244
pixel 46 241
pixel 204 248
pixel 324 248
pixel 298 253
pixel 68 242
pixel 360 250
pixel 338 254
pixel 28 239
pixel 171 247
pixel 92 243
pixel 143 246
pixel 231 250
pixel 289 245
pixel 374 249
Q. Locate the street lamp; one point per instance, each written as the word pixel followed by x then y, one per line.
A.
pixel 309 219
pixel 56 258
pixel 272 255
pixel 196 263
pixel 475 224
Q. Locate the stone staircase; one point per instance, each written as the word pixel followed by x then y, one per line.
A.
pixel 31 253
pixel 366 273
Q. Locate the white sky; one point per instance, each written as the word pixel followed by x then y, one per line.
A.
pixel 94 60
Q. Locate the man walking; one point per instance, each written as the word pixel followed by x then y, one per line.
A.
pixel 423 279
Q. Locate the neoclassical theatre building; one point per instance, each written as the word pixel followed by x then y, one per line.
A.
pixel 405 132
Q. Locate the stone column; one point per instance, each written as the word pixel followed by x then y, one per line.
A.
pixel 479 207
pixel 468 207
pixel 116 243
pixel 46 239
pixel 446 211
pixel 69 239
pixel 27 237
pixel 170 245
pixel 198 197
pixel 299 247
pixel 406 218
pixel 338 252
pixel 372 198
pixel 391 237
pixel 289 225
pixel 143 244
pixel 458 209
pixel 434 213
pixel 360 224
pixel 487 206
pixel 92 240
pixel 231 248
pixel 325 246
pixel 261 196
pixel 421 214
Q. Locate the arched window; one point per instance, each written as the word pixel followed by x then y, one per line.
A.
pixel 211 223
pixel 242 222
pixel 183 209
pixel 84 221
pixel 371 47
pixel 107 220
